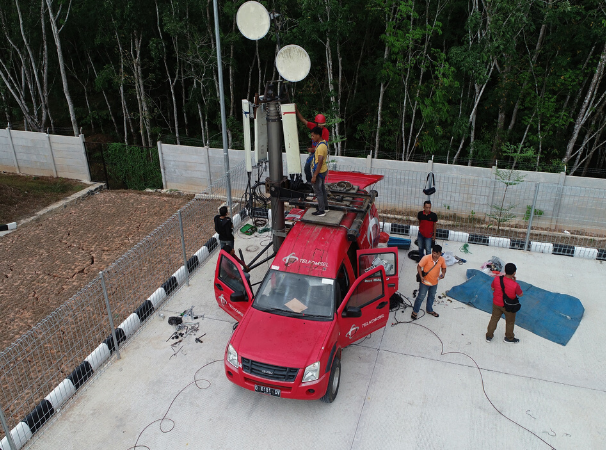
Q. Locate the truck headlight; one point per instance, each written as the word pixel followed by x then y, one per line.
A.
pixel 312 372
pixel 232 356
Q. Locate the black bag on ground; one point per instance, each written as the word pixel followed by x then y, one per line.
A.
pixel 395 301
pixel 512 305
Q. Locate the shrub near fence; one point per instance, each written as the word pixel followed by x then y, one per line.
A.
pixel 123 166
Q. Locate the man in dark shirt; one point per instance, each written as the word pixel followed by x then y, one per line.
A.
pixel 224 226
pixel 428 222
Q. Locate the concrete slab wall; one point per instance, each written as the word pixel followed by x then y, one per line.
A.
pixel 564 202
pixel 7 158
pixel 43 154
pixel 70 157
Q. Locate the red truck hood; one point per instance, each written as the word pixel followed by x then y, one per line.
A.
pixel 279 340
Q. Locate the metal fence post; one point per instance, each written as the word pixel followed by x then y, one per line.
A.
pixel 7 431
pixel 12 145
pixel 109 313
pixel 52 155
pixel 534 204
pixel 183 246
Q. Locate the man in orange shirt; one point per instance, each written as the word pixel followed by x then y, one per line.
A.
pixel 429 270
pixel 512 289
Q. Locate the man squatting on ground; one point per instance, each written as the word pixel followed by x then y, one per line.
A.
pixel 512 289
pixel 428 222
pixel 320 121
pixel 224 226
pixel 429 270
pixel 319 171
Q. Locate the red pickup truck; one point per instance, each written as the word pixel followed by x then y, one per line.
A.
pixel 326 289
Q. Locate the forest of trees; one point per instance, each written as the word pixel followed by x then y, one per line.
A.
pixel 464 80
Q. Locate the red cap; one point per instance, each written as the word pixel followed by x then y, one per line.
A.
pixel 320 118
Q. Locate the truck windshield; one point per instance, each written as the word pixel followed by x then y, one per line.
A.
pixel 295 295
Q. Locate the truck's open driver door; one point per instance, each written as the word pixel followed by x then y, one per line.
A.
pixel 232 291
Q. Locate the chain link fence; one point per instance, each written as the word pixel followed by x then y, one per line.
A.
pixel 44 368
pixel 506 207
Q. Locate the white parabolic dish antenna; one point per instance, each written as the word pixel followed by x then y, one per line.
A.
pixel 253 20
pixel 293 63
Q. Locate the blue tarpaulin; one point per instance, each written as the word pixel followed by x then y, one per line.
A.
pixel 547 314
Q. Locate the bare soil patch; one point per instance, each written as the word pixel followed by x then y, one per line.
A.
pixel 22 195
pixel 45 262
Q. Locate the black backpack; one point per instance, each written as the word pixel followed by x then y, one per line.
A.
pixel 511 304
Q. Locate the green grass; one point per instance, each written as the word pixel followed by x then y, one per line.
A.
pixel 22 195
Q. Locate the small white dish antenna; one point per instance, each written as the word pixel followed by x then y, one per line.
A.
pixel 293 63
pixel 253 20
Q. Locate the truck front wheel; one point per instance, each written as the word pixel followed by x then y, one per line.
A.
pixel 333 382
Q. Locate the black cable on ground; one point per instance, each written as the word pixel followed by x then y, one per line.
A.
pixel 443 353
pixel 164 418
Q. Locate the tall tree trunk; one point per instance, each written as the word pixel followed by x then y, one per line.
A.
pixel 594 148
pixel 389 17
pixel 339 94
pixel 32 60
pixel 185 121
pixel 586 106
pixel 68 98
pixel 171 81
pixel 109 108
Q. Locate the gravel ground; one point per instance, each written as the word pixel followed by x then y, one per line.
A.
pixel 46 262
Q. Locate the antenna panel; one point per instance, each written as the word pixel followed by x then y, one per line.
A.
pixel 246 128
pixel 261 134
pixel 291 138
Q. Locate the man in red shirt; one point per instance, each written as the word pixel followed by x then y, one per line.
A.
pixel 428 222
pixel 512 289
pixel 320 122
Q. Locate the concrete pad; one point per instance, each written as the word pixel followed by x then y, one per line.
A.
pixel 397 389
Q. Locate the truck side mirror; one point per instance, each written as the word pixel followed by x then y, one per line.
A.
pixel 238 297
pixel 352 311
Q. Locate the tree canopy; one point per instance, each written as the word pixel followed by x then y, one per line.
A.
pixel 474 81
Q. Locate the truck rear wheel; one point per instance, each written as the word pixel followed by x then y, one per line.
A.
pixel 333 382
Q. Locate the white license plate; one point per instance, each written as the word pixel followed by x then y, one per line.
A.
pixel 267 390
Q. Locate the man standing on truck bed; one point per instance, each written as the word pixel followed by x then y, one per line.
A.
pixel 428 222
pixel 319 171
pixel 320 122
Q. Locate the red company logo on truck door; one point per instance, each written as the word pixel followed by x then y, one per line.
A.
pixel 353 330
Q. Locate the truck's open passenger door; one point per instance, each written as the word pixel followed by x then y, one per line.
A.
pixel 382 256
pixel 365 309
pixel 232 291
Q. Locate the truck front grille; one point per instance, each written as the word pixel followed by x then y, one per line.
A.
pixel 268 371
